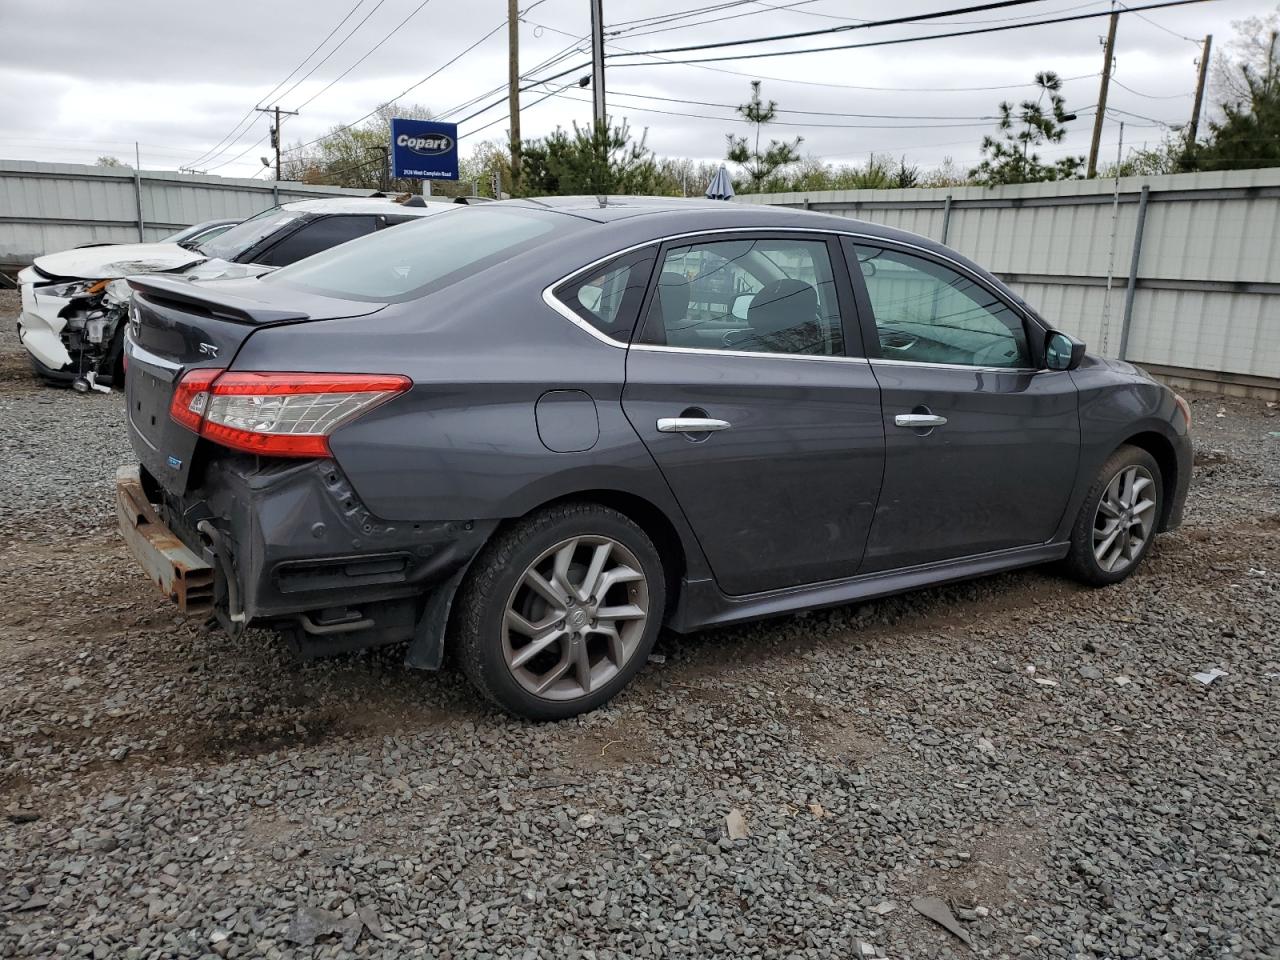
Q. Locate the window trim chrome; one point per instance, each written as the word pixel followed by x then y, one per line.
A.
pixel 560 307
pixel 758 354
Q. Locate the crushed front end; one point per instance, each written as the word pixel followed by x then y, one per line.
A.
pixel 73 329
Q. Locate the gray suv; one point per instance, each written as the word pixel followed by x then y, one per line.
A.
pixel 537 432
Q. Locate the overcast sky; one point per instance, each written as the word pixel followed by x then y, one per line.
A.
pixel 80 79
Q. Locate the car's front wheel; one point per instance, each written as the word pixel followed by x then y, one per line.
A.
pixel 1117 521
pixel 560 611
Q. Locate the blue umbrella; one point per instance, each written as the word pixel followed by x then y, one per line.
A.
pixel 720 187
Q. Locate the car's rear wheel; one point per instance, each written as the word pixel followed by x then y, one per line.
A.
pixel 560 611
pixel 1117 521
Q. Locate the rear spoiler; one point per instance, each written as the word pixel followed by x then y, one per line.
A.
pixel 186 296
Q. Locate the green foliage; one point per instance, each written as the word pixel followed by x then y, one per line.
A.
pixel 757 166
pixel 600 159
pixel 111 162
pixel 1009 158
pixel 1248 135
pixel 353 156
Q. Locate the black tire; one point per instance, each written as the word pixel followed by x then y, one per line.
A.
pixel 1082 562
pixel 480 618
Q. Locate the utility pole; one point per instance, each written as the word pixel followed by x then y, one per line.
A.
pixel 597 64
pixel 1100 116
pixel 1195 110
pixel 513 88
pixel 275 130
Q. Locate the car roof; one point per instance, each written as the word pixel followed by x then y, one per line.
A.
pixel 376 205
pixel 668 216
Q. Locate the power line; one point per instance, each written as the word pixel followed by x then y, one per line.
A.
pixel 404 92
pixel 1150 96
pixel 893 21
pixel 791 123
pixel 1160 26
pixel 883 43
pixel 806 83
pixel 314 51
pixel 236 131
pixel 812 113
pixel 325 59
pixel 391 33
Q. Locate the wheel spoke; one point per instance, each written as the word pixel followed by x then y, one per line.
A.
pixel 590 579
pixel 617 653
pixel 535 647
pixel 626 612
pixel 522 626
pixel 1101 549
pixel 1137 486
pixel 1108 507
pixel 554 674
pixel 560 570
pixel 1143 506
pixel 611 578
pixel 549 592
pixel 582 661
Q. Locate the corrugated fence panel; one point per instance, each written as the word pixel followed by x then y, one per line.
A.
pixel 46 207
pixel 1207 293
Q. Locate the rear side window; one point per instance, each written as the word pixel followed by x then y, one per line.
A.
pixel 414 259
pixel 608 297
pixel 765 295
pixel 315 236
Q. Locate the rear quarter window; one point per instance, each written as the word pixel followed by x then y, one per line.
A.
pixel 393 266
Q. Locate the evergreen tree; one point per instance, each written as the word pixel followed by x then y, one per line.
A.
pixel 758 166
pixel 1010 159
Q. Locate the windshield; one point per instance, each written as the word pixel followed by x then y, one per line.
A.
pixel 406 262
pixel 242 236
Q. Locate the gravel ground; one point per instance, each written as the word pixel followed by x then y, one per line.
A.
pixel 169 792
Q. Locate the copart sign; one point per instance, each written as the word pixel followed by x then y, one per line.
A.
pixel 424 150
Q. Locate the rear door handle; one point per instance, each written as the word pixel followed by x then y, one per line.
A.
pixel 691 425
pixel 917 420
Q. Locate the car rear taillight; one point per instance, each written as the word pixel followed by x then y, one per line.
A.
pixel 191 397
pixel 278 414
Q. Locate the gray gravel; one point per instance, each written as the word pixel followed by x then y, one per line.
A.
pixel 167 792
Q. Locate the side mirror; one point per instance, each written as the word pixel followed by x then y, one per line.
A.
pixel 741 304
pixel 1062 352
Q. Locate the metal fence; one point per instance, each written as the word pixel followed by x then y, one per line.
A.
pixel 1180 273
pixel 46 207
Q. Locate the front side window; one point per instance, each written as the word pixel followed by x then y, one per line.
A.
pixel 928 313
pixel 315 236
pixel 608 297
pixel 247 234
pixel 764 295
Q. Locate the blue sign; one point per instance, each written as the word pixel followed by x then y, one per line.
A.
pixel 424 150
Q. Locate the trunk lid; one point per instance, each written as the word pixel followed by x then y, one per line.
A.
pixel 176 326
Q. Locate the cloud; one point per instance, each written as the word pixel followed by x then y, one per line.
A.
pixel 80 79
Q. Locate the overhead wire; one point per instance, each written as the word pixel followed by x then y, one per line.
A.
pixel 899 40
pixel 219 147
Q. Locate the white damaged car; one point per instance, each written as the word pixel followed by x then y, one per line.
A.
pixel 74 303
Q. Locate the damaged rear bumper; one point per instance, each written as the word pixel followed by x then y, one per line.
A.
pixel 181 575
pixel 290 545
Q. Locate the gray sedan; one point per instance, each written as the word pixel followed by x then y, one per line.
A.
pixel 535 433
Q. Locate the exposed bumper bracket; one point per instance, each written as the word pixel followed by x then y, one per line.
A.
pixel 181 575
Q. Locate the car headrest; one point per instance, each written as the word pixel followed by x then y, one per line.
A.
pixel 673 295
pixel 782 305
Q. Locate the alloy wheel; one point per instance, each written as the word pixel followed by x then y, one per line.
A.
pixel 1125 519
pixel 575 617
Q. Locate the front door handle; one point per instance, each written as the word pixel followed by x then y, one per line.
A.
pixel 917 421
pixel 691 425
